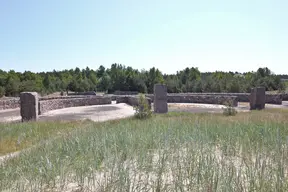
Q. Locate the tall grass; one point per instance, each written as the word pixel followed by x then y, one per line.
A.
pixel 18 136
pixel 174 152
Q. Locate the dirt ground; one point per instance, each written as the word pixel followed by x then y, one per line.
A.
pixel 94 113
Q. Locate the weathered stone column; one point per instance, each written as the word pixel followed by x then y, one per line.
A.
pixel 29 106
pixel 257 98
pixel 160 98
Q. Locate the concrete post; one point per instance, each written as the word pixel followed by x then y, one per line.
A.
pixel 257 98
pixel 160 98
pixel 29 106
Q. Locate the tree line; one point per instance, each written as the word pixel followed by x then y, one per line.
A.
pixel 120 77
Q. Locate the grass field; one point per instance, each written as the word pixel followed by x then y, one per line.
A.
pixel 172 152
pixel 18 136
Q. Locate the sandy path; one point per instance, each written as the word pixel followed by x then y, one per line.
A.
pixel 94 113
pixel 10 115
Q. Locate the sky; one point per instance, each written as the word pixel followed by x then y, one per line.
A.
pixel 224 35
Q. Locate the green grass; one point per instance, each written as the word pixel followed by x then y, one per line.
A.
pixel 173 152
pixel 18 136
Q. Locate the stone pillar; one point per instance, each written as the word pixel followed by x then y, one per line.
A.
pixel 29 106
pixel 160 98
pixel 257 98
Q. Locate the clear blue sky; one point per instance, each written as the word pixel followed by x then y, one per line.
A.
pixel 41 35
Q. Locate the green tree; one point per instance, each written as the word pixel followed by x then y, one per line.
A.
pixel 105 82
pixel 120 77
pixel 100 71
pixel 12 86
pixel 2 91
pixel 154 77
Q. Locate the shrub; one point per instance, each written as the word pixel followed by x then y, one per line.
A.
pixel 229 110
pixel 142 111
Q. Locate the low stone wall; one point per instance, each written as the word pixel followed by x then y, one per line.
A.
pixel 274 99
pixel 113 97
pixel 221 100
pixel 207 99
pixel 13 103
pixel 285 96
pixel 131 100
pixel 62 97
pixel 241 97
pixel 83 93
pixel 126 93
pixel 121 99
pixel 52 104
pixel 9 103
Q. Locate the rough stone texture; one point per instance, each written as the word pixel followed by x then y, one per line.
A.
pixel 122 99
pixel 241 97
pixel 62 97
pixel 114 97
pixel 284 96
pixel 83 93
pixel 48 105
pixel 126 93
pixel 257 98
pixel 9 103
pixel 160 98
pixel 273 99
pixel 132 100
pixel 207 99
pixel 29 106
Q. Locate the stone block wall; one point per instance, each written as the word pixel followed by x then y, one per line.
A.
pixel 9 103
pixel 83 93
pixel 285 96
pixel 241 97
pixel 131 100
pixel 207 99
pixel 121 99
pixel 62 97
pixel 52 104
pixel 126 93
pixel 273 99
pixel 114 97
pixel 134 101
